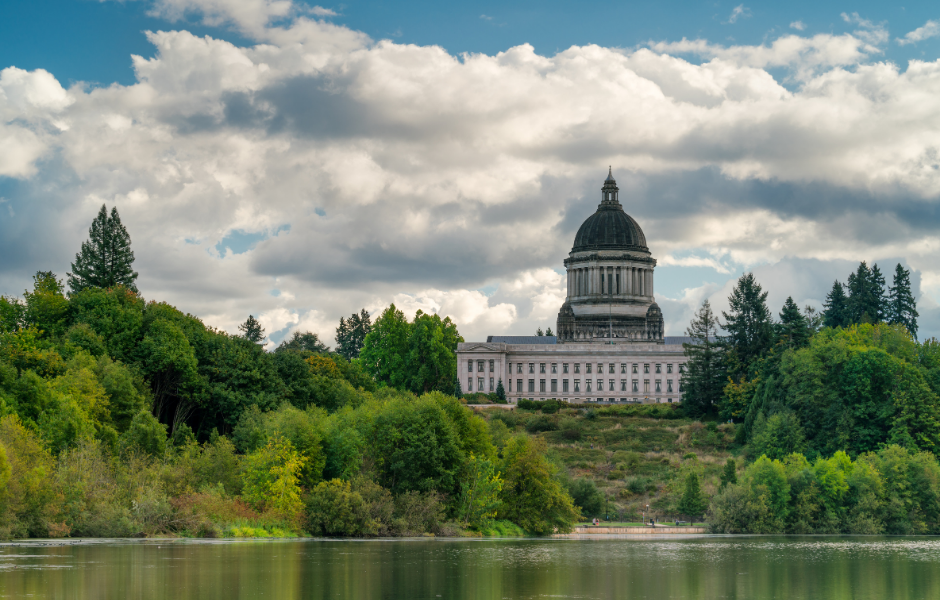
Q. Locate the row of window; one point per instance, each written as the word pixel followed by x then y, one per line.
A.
pixel 611 367
pixel 611 385
pixel 480 381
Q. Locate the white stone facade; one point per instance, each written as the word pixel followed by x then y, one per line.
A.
pixel 631 372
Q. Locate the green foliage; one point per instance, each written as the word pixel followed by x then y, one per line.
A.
pixel 705 374
pixel 385 350
pixel 145 434
pixel 729 475
pixel 12 314
pixel 115 314
pixel 301 342
pixel 271 478
pixel 778 437
pixel 47 308
pixel 500 391
pixel 105 260
pixel 531 496
pixel 836 313
pixel 586 496
pixel 335 509
pixel 479 498
pixel 901 307
pixel 252 330
pixel 30 504
pixel 748 324
pixel 693 502
pixel 351 334
pixel 866 300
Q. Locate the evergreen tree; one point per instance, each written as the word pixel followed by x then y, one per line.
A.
pixel 549 332
pixel 458 391
pixel 692 503
pixel 902 308
pixel 105 259
pixel 749 324
pixel 729 475
pixel 351 334
pixel 792 331
pixel 252 330
pixel 306 341
pixel 836 313
pixel 866 301
pixel 705 374
pixel 539 332
pixel 500 391
pixel 814 319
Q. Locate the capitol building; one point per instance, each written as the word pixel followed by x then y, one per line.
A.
pixel 609 345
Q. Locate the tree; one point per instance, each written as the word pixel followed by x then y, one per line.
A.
pixel 532 497
pixel 46 306
pixel 500 391
pixel 777 437
pixel 704 377
pixel 538 332
pixel 479 498
pixel 385 350
pixel 692 503
pixel 432 358
pixel 902 308
pixel 866 301
pixel 306 341
pixel 458 391
pixel 105 260
pixel 271 478
pixel 749 325
pixel 351 334
pixel 548 332
pixel 836 313
pixel 729 475
pixel 252 330
pixel 793 330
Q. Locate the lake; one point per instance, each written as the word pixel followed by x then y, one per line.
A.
pixel 742 567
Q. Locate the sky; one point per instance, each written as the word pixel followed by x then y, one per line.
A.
pixel 299 162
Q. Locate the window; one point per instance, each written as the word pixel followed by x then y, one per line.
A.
pixel 518 385
pixel 610 368
pixel 554 385
pixel 577 385
pixel 480 366
pixel 610 385
pixel 659 386
pixel 564 367
pixel 669 386
pixel 518 367
pixel 623 385
pixel 600 367
pixel 669 368
pixel 564 385
pixel 646 386
pixel 587 386
pixel 531 386
pixel 681 368
pixel 577 367
pixel 636 385
pixel 600 385
pixel 635 368
pixel 509 381
pixel 531 367
pixel 479 384
pixel 680 385
pixel 541 367
pixel 491 384
pixel 646 368
pixel 469 366
pixel 469 384
pixel 491 365
pixel 588 367
pixel 542 386
pixel 623 368
pixel 659 368
pixel 554 367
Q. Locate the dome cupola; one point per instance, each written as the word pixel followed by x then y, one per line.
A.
pixel 610 228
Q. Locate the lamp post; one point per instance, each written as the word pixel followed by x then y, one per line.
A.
pixel 645 513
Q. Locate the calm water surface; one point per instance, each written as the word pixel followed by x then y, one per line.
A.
pixel 695 568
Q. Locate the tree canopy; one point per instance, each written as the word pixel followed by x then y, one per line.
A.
pixel 106 259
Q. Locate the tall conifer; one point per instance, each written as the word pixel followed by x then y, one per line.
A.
pixel 351 334
pixel 105 260
pixel 792 331
pixel 705 375
pixel 252 330
pixel 836 312
pixel 902 308
pixel 749 324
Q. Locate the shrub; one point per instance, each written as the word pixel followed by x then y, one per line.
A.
pixel 541 423
pixel 570 429
pixel 586 495
pixel 334 508
pixel 272 478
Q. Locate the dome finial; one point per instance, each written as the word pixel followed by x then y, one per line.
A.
pixel 610 174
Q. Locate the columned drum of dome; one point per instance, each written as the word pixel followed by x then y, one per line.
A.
pixel 610 279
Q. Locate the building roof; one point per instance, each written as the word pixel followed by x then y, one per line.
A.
pixel 522 339
pixel 677 339
pixel 610 228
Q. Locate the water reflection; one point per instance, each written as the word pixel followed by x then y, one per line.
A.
pixel 699 568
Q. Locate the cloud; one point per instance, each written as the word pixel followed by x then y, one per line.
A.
pixel 455 184
pixel 486 17
pixel 873 34
pixel 928 30
pixel 740 12
pixel 319 11
pixel 798 25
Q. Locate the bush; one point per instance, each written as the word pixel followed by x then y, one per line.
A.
pixel 526 404
pixel 145 434
pixel 586 495
pixel 639 485
pixel 570 429
pixel 541 423
pixel 335 509
pixel 272 478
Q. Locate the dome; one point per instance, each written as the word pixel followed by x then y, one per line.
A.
pixel 610 228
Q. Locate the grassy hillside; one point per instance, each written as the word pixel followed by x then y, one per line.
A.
pixel 635 455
